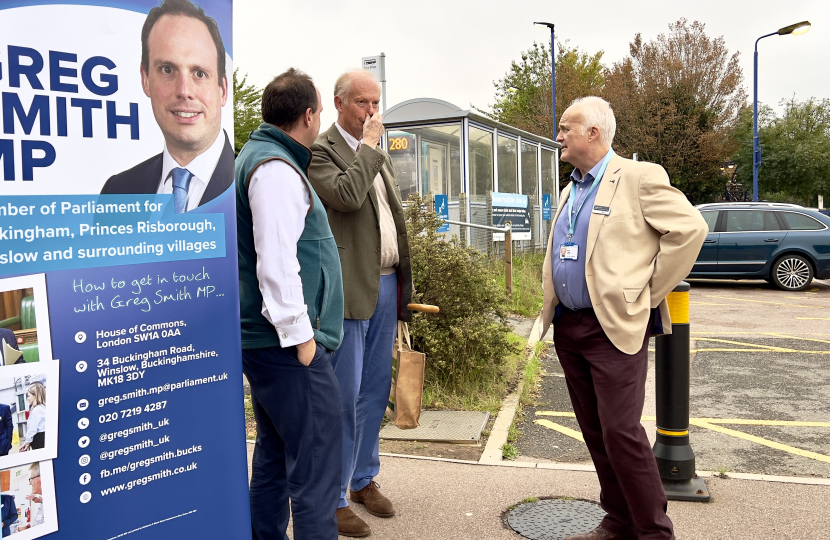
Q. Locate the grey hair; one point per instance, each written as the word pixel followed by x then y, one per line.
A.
pixel 343 85
pixel 596 112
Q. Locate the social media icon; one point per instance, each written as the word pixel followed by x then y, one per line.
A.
pixel 84 460
pixel 80 337
pixel 83 442
pixel 86 496
pixel 85 479
pixel 83 405
pixel 83 423
pixel 80 367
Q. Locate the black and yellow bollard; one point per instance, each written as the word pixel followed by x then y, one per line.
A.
pixel 675 458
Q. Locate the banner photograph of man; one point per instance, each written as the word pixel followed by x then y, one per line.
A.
pixel 183 73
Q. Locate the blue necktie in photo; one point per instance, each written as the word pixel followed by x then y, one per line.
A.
pixel 181 181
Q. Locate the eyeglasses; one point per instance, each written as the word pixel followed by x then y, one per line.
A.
pixel 32 478
pixel 362 103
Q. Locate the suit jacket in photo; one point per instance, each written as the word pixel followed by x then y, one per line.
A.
pixel 344 181
pixel 9 513
pixel 11 340
pixel 6 429
pixel 636 255
pixel 144 178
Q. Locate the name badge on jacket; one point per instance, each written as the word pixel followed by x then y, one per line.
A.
pixel 602 210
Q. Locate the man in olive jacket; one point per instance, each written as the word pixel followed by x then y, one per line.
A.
pixel 355 180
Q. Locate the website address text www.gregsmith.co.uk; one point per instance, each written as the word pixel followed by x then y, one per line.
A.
pixel 143 481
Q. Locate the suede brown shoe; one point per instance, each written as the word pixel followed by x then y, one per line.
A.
pixel 600 534
pixel 376 504
pixel 350 524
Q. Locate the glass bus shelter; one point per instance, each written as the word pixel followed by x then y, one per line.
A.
pixel 439 148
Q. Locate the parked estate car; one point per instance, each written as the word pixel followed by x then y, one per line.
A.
pixel 786 244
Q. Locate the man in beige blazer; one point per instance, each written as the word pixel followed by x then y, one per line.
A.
pixel 622 239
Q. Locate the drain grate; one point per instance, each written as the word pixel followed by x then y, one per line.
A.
pixel 441 426
pixel 554 519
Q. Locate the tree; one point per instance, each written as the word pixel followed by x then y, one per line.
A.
pixel 523 95
pixel 795 147
pixel 676 100
pixel 247 109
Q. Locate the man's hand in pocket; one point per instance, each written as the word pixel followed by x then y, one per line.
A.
pixel 306 351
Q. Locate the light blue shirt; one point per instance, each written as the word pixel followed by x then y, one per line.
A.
pixel 569 276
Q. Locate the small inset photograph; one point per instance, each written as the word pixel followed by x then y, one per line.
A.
pixel 27 495
pixel 28 413
pixel 24 320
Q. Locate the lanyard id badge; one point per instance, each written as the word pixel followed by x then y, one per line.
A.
pixel 573 216
pixel 568 251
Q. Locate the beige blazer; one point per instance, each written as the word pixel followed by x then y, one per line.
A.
pixel 636 254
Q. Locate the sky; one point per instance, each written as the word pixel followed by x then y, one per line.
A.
pixel 455 49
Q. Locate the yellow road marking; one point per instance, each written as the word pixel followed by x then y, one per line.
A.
pixel 765 302
pixel 758 440
pixel 740 343
pixel 760 348
pixel 712 425
pixel 773 423
pixel 561 429
pixel 704 333
pixel 708 304
pixel 813 318
pixel 774 334
pixel 736 421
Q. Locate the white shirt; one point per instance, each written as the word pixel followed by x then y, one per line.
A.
pixel 36 422
pixel 280 201
pixel 201 167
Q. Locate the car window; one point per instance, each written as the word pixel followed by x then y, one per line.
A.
pixel 800 222
pixel 711 218
pixel 751 220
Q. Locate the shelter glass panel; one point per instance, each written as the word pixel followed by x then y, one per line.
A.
pixel 548 173
pixel 427 159
pixel 481 161
pixel 530 174
pixel 508 177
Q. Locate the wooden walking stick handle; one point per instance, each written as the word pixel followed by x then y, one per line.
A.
pixel 424 308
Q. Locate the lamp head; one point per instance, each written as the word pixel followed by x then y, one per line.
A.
pixel 795 29
pixel 549 25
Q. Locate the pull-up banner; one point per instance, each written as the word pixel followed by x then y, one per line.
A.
pixel 120 370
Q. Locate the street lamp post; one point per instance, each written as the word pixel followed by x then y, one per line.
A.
pixel 552 73
pixel 795 29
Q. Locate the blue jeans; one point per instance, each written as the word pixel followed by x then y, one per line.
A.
pixel 298 443
pixel 363 367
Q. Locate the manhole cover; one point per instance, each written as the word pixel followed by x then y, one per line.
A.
pixel 444 426
pixel 554 519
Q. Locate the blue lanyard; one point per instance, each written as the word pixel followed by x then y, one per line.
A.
pixel 573 217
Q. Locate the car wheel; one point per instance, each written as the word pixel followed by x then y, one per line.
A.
pixel 792 273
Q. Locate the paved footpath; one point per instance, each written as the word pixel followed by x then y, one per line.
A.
pixel 779 343
pixel 443 501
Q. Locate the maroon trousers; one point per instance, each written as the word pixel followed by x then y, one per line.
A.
pixel 607 389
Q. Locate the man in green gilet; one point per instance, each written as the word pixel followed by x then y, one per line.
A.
pixel 291 296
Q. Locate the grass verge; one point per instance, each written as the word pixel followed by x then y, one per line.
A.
pixel 478 395
pixel 531 375
pixel 527 281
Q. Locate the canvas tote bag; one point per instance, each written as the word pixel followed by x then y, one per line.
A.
pixel 404 407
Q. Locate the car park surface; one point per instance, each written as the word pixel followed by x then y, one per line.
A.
pixel 760 385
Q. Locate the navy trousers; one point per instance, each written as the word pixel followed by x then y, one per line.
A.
pixel 363 367
pixel 607 389
pixel 298 443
